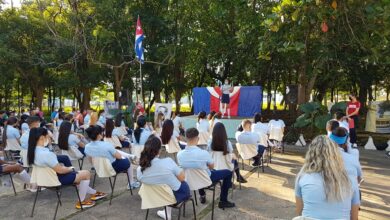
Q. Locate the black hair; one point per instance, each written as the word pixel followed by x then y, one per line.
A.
pixel 167 131
pixel 240 128
pixel 141 122
pixel 257 117
pixel 211 115
pixel 35 134
pixel 11 121
pixel 23 119
pixel 118 120
pixel 192 133
pixel 339 115
pixel 109 127
pixel 94 131
pixel 63 135
pixel 333 125
pixel 32 119
pixel 151 150
pixel 219 140
pixel 201 115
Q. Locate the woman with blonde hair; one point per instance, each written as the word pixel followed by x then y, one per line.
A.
pixel 322 188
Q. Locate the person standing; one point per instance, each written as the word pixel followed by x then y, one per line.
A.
pixel 352 112
pixel 225 99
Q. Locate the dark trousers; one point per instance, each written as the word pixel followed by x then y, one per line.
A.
pixel 82 150
pixel 183 193
pixel 125 144
pixel 64 160
pixel 260 151
pixel 352 131
pixel 226 177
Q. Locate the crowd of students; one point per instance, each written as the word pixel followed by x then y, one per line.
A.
pixel 325 188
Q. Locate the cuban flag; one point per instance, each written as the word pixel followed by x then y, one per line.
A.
pixel 245 101
pixel 139 37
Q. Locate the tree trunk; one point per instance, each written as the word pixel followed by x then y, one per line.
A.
pixel 85 99
pixel 39 96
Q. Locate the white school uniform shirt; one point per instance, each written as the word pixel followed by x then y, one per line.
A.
pixel 44 157
pixel 25 128
pixel 12 133
pixel 275 129
pixel 176 123
pixel 73 140
pixel 24 139
pixel 247 137
pixel 203 125
pixel 101 149
pixel 226 89
pixel 260 128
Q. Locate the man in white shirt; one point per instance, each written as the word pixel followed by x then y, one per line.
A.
pixel 249 137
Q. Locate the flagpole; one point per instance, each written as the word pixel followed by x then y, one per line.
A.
pixel 140 78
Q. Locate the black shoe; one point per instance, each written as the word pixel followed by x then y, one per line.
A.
pixel 226 204
pixel 255 164
pixel 241 180
pixel 203 199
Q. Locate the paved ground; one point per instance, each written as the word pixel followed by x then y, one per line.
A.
pixel 271 196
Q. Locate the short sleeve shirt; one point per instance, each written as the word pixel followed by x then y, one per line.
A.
pixel 24 140
pixel 45 158
pixel 192 157
pixel 12 133
pixel 352 106
pixel 310 188
pixel 161 171
pixel 260 128
pixel 145 133
pixel 226 89
pixel 203 125
pixel 101 149
pixel 248 138
pixel 73 140
pixel 25 128
pixel 229 146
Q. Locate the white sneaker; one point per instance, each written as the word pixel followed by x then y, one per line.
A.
pixel 161 214
pixel 134 185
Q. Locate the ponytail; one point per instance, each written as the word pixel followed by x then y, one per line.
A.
pixel 35 134
pixel 151 150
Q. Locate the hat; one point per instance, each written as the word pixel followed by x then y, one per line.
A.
pixel 339 140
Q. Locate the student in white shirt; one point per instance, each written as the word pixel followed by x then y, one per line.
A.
pixel 249 137
pixel 168 134
pixel 177 122
pixel 202 125
pixel 258 126
pixel 141 132
pixel 101 119
pixel 216 118
pixel 159 122
pixel 23 123
pixel 225 99
pixel 66 139
pixel 111 130
pixel 156 171
pixel 11 135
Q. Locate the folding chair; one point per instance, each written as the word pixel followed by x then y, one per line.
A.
pixel 74 154
pixel 104 169
pixel 12 147
pixel 47 178
pixel 12 180
pixel 276 137
pixel 199 179
pixel 155 196
pixel 247 152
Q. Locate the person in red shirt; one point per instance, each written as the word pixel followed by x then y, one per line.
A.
pixel 352 111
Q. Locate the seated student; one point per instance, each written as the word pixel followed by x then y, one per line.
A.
pixel 177 122
pixel 216 118
pixel 323 189
pixel 69 142
pixel 331 125
pixel 7 167
pixel 120 160
pixel 258 126
pixel 343 120
pixel 112 131
pixel 351 163
pixel 34 122
pixel 210 116
pixel 220 142
pixel 168 134
pixel 121 126
pixel 203 125
pixel 101 119
pixel 156 171
pixel 159 122
pixel 11 135
pixel 192 157
pixel 23 124
pixel 41 156
pixel 141 133
pixel 249 137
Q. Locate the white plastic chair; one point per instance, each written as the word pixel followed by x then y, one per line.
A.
pixel 47 177
pixel 114 140
pixel 276 136
pixel 104 169
pixel 155 196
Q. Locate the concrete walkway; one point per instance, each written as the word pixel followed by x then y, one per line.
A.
pixel 271 196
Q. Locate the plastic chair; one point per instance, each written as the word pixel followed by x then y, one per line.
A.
pixel 74 154
pixel 12 180
pixel 247 152
pixel 104 169
pixel 47 177
pixel 155 196
pixel 114 140
pixel 276 136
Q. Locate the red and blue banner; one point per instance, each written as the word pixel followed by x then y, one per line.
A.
pixel 245 101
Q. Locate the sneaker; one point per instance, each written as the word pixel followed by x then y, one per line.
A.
pixel 255 164
pixel 161 214
pixel 98 196
pixel 226 204
pixel 85 204
pixel 203 199
pixel 134 185
pixel 241 180
pixel 354 145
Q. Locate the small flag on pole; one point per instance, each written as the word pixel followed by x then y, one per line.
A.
pixel 139 37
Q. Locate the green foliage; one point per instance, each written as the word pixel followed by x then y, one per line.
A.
pixel 314 115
